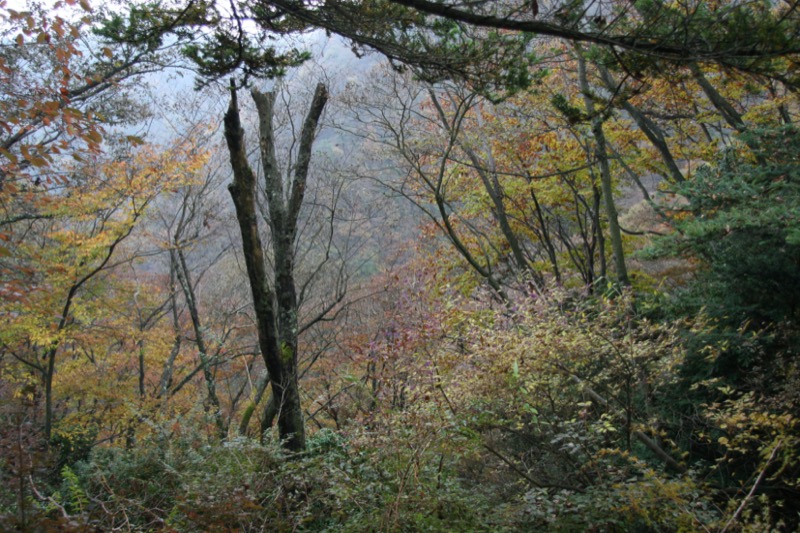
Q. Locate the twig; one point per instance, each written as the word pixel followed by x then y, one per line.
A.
pixel 644 439
pixel 512 466
pixel 752 489
pixel 47 499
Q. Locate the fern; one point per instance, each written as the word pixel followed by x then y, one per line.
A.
pixel 73 494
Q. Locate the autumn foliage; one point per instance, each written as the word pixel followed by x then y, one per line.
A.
pixel 550 288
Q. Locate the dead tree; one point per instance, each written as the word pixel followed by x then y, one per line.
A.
pixel 275 300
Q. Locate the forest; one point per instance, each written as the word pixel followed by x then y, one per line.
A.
pixel 400 265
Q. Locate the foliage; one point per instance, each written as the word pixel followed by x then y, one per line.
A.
pixel 339 484
pixel 741 223
pixel 207 36
pixel 487 376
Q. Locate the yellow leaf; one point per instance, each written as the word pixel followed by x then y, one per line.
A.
pixel 38 162
pixel 94 136
pixel 11 157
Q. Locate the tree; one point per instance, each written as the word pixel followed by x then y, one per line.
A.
pixel 69 246
pixel 513 186
pixel 488 44
pixel 452 37
pixel 275 302
pixel 740 223
pixel 602 156
pixel 59 90
pixel 688 31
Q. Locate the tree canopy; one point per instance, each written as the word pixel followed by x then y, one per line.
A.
pixel 486 42
pixel 532 266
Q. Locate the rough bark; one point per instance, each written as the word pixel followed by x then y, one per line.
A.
pixel 275 304
pixel 251 407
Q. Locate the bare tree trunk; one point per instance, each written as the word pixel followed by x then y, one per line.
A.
pixel 251 407
pixel 268 417
pixel 598 230
pixel 601 153
pixel 650 129
pixel 726 110
pixel 276 309
pixel 191 302
pixel 545 236
pixel 166 375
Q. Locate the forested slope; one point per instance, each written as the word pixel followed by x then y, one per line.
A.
pixel 533 266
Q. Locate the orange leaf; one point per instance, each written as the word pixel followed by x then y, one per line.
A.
pixel 51 107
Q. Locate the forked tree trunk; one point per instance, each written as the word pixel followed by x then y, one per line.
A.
pixel 275 300
pixel 601 152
